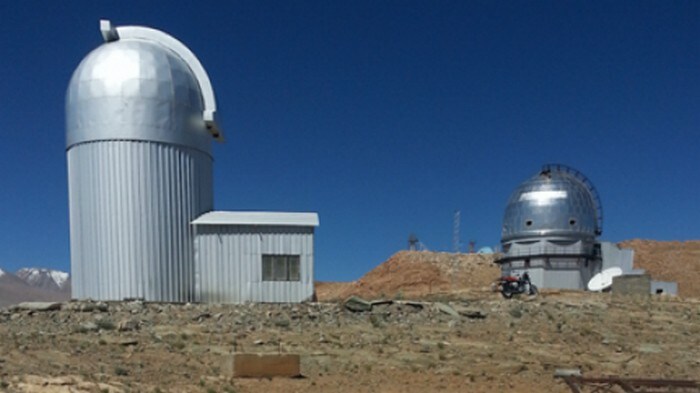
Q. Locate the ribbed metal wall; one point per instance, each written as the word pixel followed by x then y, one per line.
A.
pixel 131 203
pixel 229 263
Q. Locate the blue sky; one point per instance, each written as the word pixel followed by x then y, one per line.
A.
pixel 385 116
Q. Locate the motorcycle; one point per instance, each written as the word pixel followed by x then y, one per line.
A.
pixel 513 285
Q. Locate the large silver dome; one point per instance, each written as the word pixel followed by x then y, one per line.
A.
pixel 557 202
pixel 133 89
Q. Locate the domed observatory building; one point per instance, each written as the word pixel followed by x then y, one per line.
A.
pixel 140 118
pixel 550 228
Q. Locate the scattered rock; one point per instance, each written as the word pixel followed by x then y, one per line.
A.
pixel 446 309
pixel 87 327
pixel 472 314
pixel 649 348
pixel 202 316
pixel 356 304
pixel 134 307
pixel 127 325
pixel 90 307
pixel 414 305
pixel 516 311
pixel 38 306
pixel 282 322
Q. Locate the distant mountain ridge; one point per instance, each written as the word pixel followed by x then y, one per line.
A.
pixel 34 284
pixel 44 278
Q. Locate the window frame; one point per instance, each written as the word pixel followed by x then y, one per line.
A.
pixel 280 267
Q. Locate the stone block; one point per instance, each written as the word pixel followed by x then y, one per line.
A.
pixel 250 365
pixel 631 285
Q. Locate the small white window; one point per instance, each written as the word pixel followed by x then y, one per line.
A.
pixel 281 267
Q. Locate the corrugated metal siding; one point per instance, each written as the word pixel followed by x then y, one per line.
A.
pixel 130 208
pixel 229 263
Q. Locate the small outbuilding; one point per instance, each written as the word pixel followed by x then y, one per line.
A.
pixel 254 256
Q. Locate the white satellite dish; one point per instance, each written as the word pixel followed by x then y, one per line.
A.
pixel 604 279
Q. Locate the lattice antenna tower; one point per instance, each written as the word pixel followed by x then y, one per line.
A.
pixel 455 232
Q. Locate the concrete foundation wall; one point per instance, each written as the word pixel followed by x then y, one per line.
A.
pixel 664 287
pixel 557 273
pixel 632 285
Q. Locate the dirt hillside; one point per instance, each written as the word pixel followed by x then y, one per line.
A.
pixel 414 274
pixel 669 261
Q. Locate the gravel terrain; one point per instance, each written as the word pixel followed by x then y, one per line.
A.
pixel 475 343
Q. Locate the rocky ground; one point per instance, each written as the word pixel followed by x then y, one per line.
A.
pixel 418 274
pixel 443 330
pixel 475 342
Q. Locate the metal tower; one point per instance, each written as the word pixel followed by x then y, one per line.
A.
pixel 455 232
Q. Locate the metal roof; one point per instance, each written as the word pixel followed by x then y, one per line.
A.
pixel 111 33
pixel 558 201
pixel 257 218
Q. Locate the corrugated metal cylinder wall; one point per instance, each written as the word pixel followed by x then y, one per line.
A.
pixel 131 203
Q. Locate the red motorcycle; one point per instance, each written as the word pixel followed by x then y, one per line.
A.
pixel 515 285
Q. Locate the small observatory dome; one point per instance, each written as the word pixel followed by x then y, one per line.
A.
pixel 140 117
pixel 135 90
pixel 558 202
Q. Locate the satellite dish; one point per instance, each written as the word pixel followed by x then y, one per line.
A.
pixel 604 279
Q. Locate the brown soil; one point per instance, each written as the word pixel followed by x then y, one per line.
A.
pixel 425 274
pixel 412 274
pixel 670 261
pixel 394 348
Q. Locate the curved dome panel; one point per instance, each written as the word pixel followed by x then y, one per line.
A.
pixel 557 202
pixel 133 89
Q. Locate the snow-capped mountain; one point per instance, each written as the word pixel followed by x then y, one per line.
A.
pixel 44 278
pixel 14 289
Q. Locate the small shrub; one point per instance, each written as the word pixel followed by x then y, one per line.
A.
pixel 282 322
pixel 229 389
pixel 179 345
pixel 121 371
pixel 516 312
pixel 375 320
pixel 105 324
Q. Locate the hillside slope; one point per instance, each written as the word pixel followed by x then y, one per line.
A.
pixel 415 274
pixel 418 274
